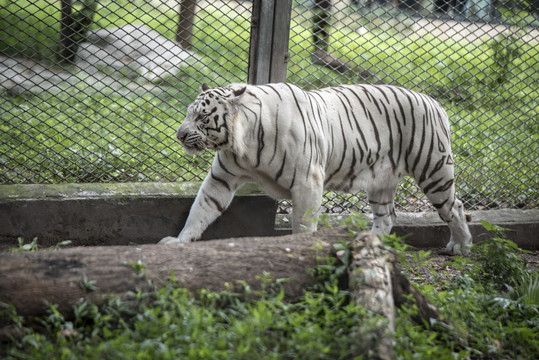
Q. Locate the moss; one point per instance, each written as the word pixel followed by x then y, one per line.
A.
pixel 119 190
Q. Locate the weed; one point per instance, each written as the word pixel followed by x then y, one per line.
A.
pixel 87 285
pixel 21 246
pixel 33 246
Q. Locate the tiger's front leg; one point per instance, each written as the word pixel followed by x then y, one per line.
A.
pixel 213 197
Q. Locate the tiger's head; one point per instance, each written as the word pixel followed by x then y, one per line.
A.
pixel 209 120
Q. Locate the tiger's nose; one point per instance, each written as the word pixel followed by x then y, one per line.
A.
pixel 181 134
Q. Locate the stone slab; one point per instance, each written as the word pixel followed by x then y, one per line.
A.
pixel 427 229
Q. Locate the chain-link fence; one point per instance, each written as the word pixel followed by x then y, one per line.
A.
pixel 93 91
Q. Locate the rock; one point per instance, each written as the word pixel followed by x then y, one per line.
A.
pixel 111 58
pixel 24 76
pixel 133 51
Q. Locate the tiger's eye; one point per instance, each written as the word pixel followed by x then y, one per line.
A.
pixel 202 118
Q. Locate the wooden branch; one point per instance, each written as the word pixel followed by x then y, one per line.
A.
pixel 370 273
pixel 402 288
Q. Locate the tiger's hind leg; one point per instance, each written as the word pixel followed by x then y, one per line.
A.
pixel 306 207
pixel 381 201
pixel 451 210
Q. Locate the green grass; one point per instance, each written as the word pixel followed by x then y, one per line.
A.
pixel 103 135
pixel 490 312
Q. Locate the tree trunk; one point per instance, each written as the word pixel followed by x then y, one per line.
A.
pixel 73 27
pixel 321 24
pixel 184 33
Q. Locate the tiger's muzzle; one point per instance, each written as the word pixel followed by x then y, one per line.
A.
pixel 192 141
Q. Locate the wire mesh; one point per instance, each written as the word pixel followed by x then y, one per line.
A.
pixel 93 91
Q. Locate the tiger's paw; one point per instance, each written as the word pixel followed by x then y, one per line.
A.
pixel 458 249
pixel 170 240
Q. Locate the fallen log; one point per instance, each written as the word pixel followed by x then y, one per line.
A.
pixel 377 283
pixel 65 276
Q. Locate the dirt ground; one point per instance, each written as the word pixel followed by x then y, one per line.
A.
pixel 439 261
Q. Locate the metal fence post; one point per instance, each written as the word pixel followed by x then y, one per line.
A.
pixel 268 53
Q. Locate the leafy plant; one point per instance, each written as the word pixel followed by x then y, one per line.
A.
pixel 499 262
pixel 87 285
pixel 483 320
pixel 172 323
pixel 33 246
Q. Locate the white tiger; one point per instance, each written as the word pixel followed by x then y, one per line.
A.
pixel 296 143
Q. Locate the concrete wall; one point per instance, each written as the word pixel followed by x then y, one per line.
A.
pixel 121 214
pixel 427 230
pixel 136 213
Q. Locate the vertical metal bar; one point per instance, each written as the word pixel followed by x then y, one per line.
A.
pixel 261 40
pixel 253 43
pixel 281 36
pixel 268 53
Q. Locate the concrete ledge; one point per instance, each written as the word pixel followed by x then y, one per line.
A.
pixel 120 214
pixel 426 229
pixel 136 213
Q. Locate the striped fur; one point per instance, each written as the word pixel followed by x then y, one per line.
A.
pixel 297 143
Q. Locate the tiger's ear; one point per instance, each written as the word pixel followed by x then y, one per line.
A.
pixel 239 92
pixel 204 87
